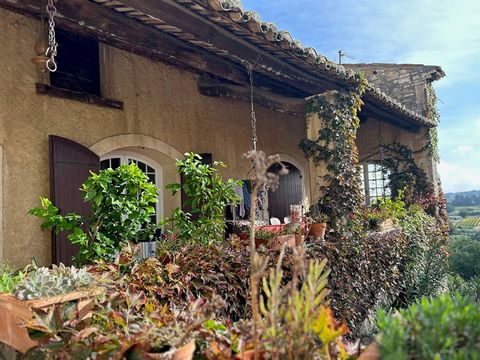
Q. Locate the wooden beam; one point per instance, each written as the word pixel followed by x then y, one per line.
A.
pixel 292 106
pixel 44 89
pixel 370 110
pixel 216 36
pixel 88 18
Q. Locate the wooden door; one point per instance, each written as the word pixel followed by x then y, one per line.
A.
pixel 289 192
pixel 70 166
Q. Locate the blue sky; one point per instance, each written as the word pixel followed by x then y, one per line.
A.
pixel 433 32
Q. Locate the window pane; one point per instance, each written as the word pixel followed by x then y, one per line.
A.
pixel 152 178
pixel 104 164
pixel 115 163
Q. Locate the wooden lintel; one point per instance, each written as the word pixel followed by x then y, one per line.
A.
pixel 44 89
pixel 282 104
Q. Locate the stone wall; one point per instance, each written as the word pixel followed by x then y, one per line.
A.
pixel 406 83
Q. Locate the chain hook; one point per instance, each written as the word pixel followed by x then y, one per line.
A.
pixel 253 116
pixel 51 52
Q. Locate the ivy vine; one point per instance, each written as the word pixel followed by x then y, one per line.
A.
pixel 335 147
pixel 432 134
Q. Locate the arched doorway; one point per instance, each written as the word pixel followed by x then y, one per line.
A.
pixel 289 192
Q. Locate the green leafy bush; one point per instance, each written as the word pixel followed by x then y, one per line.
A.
pixel 123 201
pixel 464 257
pixel 207 195
pixel 364 272
pixel 470 288
pixel 427 266
pixel 441 328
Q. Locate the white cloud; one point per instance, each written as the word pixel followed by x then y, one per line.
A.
pixel 457 177
pixel 463 149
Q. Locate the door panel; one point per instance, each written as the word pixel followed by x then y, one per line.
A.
pixel 70 166
pixel 288 193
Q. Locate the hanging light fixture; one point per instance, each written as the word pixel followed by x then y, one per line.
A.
pixel 40 47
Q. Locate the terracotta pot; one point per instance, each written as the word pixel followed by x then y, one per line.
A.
pixel 372 352
pixel 14 312
pixel 278 241
pixel 317 231
pixel 185 352
pixel 249 355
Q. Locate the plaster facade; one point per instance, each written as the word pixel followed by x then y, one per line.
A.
pixel 164 115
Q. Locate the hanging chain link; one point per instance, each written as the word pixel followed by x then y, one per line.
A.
pixel 52 42
pixel 253 114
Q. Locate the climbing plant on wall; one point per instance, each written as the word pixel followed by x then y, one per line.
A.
pixel 335 148
pixel 432 134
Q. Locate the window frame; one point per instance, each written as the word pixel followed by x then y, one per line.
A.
pixel 366 179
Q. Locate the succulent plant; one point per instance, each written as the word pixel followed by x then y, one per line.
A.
pixel 44 282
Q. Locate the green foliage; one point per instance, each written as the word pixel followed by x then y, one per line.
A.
pixel 427 266
pixel 335 147
pixel 467 288
pixel 295 321
pixel 432 133
pixel 364 272
pixel 464 257
pixel 264 235
pixel 207 195
pixel 441 328
pixel 9 279
pixel 123 201
pixel 43 282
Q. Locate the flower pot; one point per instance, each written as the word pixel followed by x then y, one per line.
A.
pixel 278 241
pixel 249 355
pixel 372 352
pixel 15 312
pixel 184 353
pixel 317 231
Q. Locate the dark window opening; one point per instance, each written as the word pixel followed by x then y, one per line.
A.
pixel 78 63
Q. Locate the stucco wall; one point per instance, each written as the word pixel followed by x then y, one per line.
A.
pixel 161 102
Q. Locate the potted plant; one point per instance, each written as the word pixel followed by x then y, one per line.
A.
pixel 40 289
pixel 318 223
pixel 263 237
pixel 286 236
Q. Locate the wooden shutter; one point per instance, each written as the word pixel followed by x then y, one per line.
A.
pixel 207 159
pixel 70 166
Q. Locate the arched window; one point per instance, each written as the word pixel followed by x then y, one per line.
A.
pixel 152 170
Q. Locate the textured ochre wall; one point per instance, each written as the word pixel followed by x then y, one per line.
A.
pixel 161 102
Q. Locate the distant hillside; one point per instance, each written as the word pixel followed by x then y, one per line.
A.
pixel 465 198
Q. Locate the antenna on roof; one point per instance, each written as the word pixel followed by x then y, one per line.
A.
pixel 341 54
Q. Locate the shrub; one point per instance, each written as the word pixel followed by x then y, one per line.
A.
pixel 470 288
pixel 464 257
pixel 426 267
pixel 123 201
pixel 207 195
pixel 363 273
pixel 441 328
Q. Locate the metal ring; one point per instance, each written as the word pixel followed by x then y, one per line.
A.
pixel 51 65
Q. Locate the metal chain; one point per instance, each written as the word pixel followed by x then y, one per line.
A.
pixel 253 114
pixel 52 42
